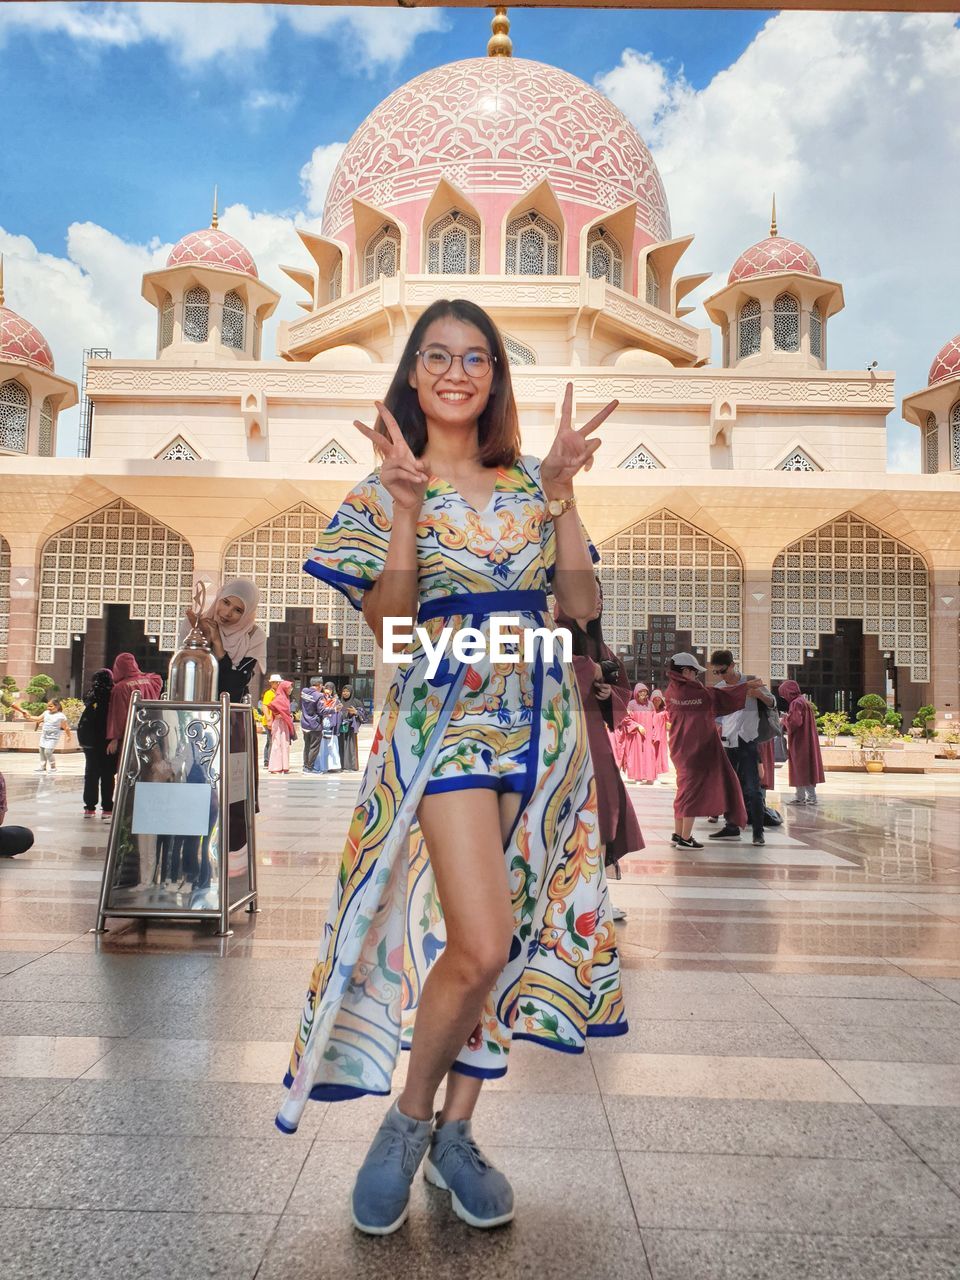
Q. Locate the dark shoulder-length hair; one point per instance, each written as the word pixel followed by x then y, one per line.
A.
pixel 498 432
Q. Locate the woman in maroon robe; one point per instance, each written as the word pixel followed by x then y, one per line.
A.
pixel 803 744
pixel 706 781
pixel 660 731
pixel 127 680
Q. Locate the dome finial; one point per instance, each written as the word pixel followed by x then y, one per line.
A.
pixel 215 220
pixel 500 45
pixel 773 216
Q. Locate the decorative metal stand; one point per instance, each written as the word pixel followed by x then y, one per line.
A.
pixel 182 840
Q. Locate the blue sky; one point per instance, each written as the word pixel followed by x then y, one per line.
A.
pixel 126 115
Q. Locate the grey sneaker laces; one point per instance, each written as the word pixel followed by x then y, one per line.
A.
pixel 410 1148
pixel 469 1153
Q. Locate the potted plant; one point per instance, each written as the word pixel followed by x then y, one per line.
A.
pixel 951 743
pixel 873 737
pixel 832 724
pixel 872 707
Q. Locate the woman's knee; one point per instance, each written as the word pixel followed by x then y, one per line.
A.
pixel 479 961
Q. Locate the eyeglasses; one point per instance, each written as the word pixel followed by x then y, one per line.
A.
pixel 475 364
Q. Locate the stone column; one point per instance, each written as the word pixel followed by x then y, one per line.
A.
pixel 944 686
pixel 755 646
pixel 23 625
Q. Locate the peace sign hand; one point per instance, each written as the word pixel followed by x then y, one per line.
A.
pixel 403 476
pixel 571 450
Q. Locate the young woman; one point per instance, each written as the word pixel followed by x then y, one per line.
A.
pixel 660 731
pixel 99 769
pixel 472 891
pixel 639 753
pixel 282 729
pixel 803 745
pixel 706 782
pixel 51 723
pixel 351 718
pixel 238 643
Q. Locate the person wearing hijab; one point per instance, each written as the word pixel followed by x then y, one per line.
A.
pixel 282 730
pixel 706 782
pixel 328 757
pixel 239 644
pixel 100 768
pixel 639 754
pixel 660 731
pixel 127 680
pixel 351 718
pixel 604 693
pixel 805 762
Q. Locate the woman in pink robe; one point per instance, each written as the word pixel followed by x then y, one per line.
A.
pixel 803 744
pixel 640 755
pixel 282 732
pixel 706 781
pixel 660 731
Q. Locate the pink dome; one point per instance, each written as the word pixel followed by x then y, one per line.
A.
pixel 946 363
pixel 774 254
pixel 23 342
pixel 498 125
pixel 213 248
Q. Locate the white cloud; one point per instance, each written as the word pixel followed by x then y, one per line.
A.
pixel 850 118
pixel 196 33
pixel 270 100
pixel 316 174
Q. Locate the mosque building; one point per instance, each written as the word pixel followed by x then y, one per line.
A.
pixel 744 505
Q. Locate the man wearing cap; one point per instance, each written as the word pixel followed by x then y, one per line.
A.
pixel 706 782
pixel 739 732
pixel 268 696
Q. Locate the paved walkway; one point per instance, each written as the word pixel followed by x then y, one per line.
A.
pixel 787 1103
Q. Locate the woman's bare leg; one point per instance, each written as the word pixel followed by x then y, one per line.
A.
pixel 465 841
pixel 686 827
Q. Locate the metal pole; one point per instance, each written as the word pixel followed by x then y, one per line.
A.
pixel 224 817
pixel 110 864
pixel 253 907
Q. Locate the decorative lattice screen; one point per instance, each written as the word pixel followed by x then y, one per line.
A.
pixel 118 555
pixel 664 565
pixel 850 569
pixel 641 460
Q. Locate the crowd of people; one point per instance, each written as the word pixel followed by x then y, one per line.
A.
pixel 328 724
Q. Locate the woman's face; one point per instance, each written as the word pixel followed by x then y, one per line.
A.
pixel 230 610
pixel 452 398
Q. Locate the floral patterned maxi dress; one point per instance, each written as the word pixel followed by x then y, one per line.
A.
pixel 511 726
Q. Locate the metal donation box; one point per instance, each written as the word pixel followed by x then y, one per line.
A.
pixel 182 841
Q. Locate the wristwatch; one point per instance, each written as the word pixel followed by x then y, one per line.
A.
pixel 557 506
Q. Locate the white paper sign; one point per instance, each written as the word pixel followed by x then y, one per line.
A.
pixel 171 809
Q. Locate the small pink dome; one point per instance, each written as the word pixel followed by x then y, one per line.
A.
pixel 213 248
pixel 946 363
pixel 774 254
pixel 23 342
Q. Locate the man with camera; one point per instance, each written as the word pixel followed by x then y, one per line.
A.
pixel 739 731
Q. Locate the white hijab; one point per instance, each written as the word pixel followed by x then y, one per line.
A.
pixel 245 639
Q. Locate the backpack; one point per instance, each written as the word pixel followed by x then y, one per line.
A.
pixel 87 727
pixel 768 721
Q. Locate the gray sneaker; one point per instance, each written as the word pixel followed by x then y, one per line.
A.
pixel 480 1194
pixel 381 1194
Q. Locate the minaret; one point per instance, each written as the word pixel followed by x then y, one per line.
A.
pixel 500 45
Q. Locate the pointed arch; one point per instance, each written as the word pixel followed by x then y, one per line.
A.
pixel 233 323
pixel 748 329
pixel 533 235
pixel 14 416
pixel 665 565
pixel 786 322
pixel 850 568
pixel 518 353
pixel 47 438
pixel 604 256
pixel 117 555
pixel 196 314
pixel 955 437
pixel 272 554
pixel 931 445
pixel 381 253
pixel 816 331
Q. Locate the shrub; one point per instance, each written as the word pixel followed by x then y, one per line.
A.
pixel 873 737
pixel 40 689
pixel 894 719
pixel 73 710
pixel 925 719
pixel 951 742
pixel 872 707
pixel 832 723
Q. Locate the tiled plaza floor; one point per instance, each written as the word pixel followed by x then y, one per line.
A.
pixel 787 1103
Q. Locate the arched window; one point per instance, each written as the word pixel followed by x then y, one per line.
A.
pixel 604 257
pixel 517 353
pixel 45 438
pixel 748 329
pixel 234 321
pixel 382 254
pixel 14 416
pixel 955 437
pixel 931 445
pixel 533 246
pixel 166 321
pixel 336 281
pixel 453 245
pixel 816 332
pixel 196 314
pixel 786 323
pixel 653 286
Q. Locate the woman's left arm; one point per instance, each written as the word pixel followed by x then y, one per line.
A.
pixel 574 585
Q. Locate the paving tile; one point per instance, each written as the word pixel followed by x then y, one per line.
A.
pixel 30 1018
pixel 933 1132
pixel 35 1244
pixel 22 1099
pixel 731 1127
pixel 766 1193
pixel 804 1011
pixel 244 1062
pixel 733 1255
pixel 902 1084
pixel 883 1044
pixel 702 1076
pixel 210 1021
pixel 206 1175
pixel 742 1039
pixel 949 987
pixel 834 986
pixel 11 960
pixel 950 1173
pixel 169 1108
pixel 46 1056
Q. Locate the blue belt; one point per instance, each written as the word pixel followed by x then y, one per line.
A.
pixel 484 604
